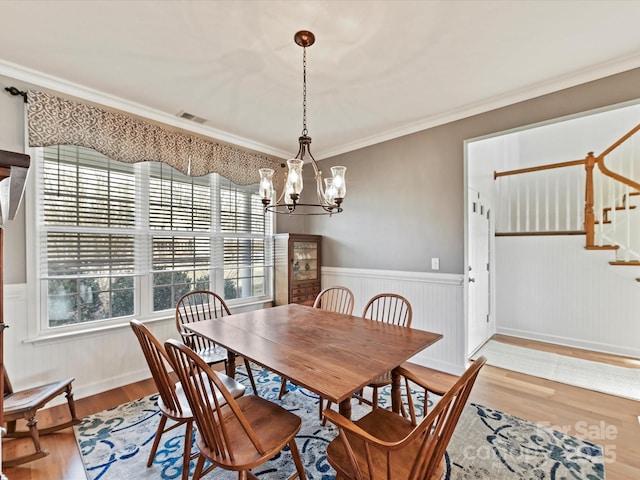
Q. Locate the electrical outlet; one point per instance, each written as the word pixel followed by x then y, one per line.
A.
pixel 435 264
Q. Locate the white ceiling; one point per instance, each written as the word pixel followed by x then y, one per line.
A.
pixel 378 69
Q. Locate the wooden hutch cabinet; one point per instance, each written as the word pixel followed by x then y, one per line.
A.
pixel 297 268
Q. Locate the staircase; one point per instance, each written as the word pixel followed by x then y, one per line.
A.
pixel 576 198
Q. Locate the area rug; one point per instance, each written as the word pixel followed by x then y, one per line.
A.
pixel 487 444
pixel 600 377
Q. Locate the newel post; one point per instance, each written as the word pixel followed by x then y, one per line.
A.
pixel 589 220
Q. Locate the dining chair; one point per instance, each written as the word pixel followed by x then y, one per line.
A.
pixel 239 435
pixel 385 445
pixel 24 405
pixel 172 402
pixel 388 308
pixel 199 305
pixel 333 299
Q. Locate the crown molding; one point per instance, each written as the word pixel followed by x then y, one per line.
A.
pixel 605 69
pixel 54 84
pixel 573 79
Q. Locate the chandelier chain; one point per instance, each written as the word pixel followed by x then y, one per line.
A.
pixel 304 91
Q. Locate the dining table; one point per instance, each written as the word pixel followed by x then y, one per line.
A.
pixel 331 354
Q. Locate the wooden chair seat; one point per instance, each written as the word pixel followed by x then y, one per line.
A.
pixel 25 404
pixel 213 355
pixel 239 434
pixel 383 445
pixel 262 415
pixel 387 427
pixel 236 389
pixel 381 381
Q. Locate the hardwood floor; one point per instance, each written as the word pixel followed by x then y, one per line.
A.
pixel 604 419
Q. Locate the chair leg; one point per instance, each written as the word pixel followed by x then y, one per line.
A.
pixel 35 435
pixel 11 426
pixel 250 374
pixel 296 459
pixel 198 471
pixel 283 388
pixel 71 403
pixel 188 434
pixel 32 423
pixel 374 399
pixel 156 441
pixel 322 417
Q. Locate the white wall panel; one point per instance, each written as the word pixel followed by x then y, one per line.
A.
pixel 108 359
pixel 436 300
pixel 98 361
pixel 550 288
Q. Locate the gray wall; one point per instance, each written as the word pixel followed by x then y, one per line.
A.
pixel 12 131
pixel 405 198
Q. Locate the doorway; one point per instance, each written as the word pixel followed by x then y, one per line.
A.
pixel 479 325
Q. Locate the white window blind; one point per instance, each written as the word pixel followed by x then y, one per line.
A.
pixel 109 228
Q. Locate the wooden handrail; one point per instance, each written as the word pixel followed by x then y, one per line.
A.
pixel 589 163
pixel 539 168
pixel 622 139
pixel 616 176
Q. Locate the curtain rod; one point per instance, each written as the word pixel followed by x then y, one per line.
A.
pixel 15 92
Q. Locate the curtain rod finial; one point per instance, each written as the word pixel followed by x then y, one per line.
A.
pixel 14 91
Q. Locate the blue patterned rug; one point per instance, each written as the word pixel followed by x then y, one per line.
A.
pixel 487 444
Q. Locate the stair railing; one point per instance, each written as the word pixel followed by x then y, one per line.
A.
pixel 610 192
pixel 545 199
pixel 562 199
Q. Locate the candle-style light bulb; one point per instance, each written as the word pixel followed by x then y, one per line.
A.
pixel 266 185
pixel 294 179
pixel 329 191
pixel 339 182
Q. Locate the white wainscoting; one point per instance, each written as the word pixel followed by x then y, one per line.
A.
pixel 98 361
pixel 550 288
pixel 108 359
pixel 436 299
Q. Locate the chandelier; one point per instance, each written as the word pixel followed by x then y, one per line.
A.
pixel 330 191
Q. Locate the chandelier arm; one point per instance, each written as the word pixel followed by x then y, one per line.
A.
pixel 319 180
pixel 288 210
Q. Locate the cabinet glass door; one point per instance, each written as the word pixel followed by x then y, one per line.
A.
pixel 305 261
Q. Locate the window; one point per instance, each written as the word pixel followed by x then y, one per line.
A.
pixel 118 239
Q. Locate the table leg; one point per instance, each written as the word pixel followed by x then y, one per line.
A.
pixel 344 408
pixel 396 399
pixel 231 364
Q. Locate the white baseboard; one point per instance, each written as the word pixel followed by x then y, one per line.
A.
pixel 571 342
pixel 438 365
pixel 95 388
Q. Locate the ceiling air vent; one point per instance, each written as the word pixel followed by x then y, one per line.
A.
pixel 192 117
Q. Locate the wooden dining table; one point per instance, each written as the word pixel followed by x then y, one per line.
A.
pixel 332 354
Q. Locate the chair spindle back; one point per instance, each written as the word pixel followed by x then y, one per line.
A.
pixel 197 380
pixel 389 308
pixel 196 306
pixel 335 299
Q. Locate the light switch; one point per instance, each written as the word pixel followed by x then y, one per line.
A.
pixel 435 264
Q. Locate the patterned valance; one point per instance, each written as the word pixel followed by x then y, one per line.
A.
pixel 59 121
